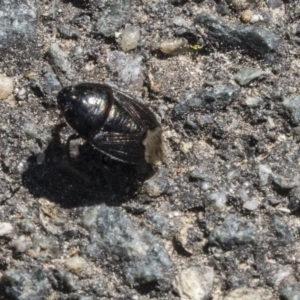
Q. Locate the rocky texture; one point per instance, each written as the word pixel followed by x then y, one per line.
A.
pixel 255 40
pixel 19 284
pixel 114 14
pixel 18 22
pixel 292 108
pixel 128 68
pixel 219 217
pixel 212 99
pixel 144 259
pixel 233 232
pixel 245 76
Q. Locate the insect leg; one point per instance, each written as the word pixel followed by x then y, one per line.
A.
pixel 72 137
pixel 58 128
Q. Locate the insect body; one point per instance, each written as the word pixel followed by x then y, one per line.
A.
pixel 113 122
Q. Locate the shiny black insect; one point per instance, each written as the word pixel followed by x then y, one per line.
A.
pixel 113 122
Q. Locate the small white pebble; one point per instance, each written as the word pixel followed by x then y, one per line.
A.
pixel 179 21
pixel 205 186
pixel 5 229
pixel 253 101
pixel 250 205
pixel 256 18
pixel 185 147
pixel 6 86
pixel 243 194
pixel 76 264
pixel 130 38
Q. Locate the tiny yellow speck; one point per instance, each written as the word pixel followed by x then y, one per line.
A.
pixel 196 47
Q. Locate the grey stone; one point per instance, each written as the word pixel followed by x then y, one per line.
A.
pixel 253 101
pixel 246 75
pixel 290 292
pixel 191 200
pixel 282 230
pixel 156 185
pixel 283 275
pixel 129 68
pixel 217 29
pixel 114 15
pixel 275 3
pixel 233 174
pixel 264 172
pixel 58 58
pixel 64 281
pixel 25 226
pixel 297 30
pixel 296 134
pixel 50 85
pixel 256 40
pixel 31 129
pixel 294 198
pixel 213 99
pixel 199 174
pixel 297 10
pixel 150 268
pixel 292 107
pixel 155 6
pixel 273 200
pixel 23 285
pixel 222 8
pixel 179 21
pixel 144 258
pixel 190 123
pixel 18 20
pixel 233 232
pixel 251 205
pixel 159 223
pixel 19 244
pixel 286 182
pixel 69 32
pixel 237 279
pixel 216 200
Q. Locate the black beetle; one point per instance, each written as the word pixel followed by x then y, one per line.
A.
pixel 114 123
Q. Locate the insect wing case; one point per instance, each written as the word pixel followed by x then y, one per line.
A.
pixel 85 107
pixel 116 124
pixel 130 133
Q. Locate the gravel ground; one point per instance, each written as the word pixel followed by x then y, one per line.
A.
pixel 219 217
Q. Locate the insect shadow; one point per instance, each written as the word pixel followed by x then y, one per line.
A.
pixel 84 180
